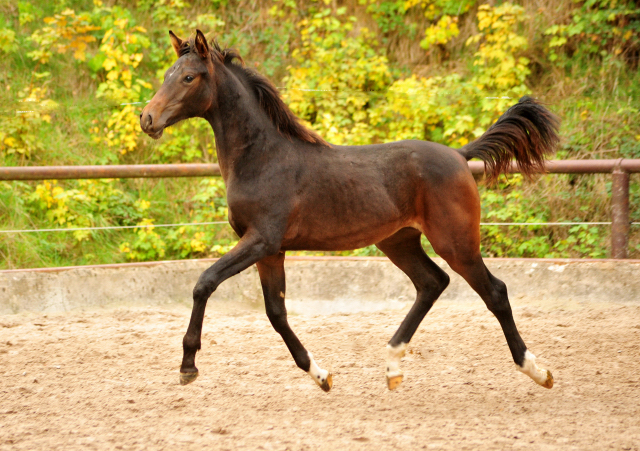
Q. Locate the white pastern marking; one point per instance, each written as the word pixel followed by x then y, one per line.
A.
pixel 317 374
pixel 394 354
pixel 532 370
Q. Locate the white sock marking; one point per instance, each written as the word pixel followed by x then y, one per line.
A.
pixel 394 354
pixel 317 374
pixel 532 370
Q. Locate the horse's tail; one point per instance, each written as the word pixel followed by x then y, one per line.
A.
pixel 527 132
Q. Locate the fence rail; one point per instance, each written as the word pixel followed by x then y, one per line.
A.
pixel 125 171
pixel 620 169
pixel 576 166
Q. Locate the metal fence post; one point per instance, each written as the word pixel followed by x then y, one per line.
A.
pixel 619 213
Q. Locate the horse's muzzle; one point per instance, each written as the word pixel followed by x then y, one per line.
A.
pixel 146 124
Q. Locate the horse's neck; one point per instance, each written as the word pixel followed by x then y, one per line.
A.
pixel 240 126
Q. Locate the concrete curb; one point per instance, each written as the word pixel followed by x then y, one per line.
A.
pixel 314 285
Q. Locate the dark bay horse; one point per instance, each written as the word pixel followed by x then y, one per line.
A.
pixel 288 189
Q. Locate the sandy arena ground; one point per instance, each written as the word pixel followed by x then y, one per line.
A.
pixel 108 379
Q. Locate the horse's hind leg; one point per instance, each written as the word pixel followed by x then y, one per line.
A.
pixel 457 240
pixel 494 293
pixel 272 278
pixel 405 251
pixel 452 226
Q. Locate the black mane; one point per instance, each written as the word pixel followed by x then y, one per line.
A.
pixel 266 93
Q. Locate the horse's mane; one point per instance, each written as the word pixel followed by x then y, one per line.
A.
pixel 266 93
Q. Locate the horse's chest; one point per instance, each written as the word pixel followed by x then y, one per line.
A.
pixel 250 205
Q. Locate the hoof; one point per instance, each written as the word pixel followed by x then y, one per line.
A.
pixel 539 375
pixel 187 378
pixel 394 381
pixel 549 382
pixel 328 383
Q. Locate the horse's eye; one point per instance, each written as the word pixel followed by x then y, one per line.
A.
pixel 188 78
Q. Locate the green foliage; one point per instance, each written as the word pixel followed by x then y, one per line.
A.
pixel 441 32
pixel 74 76
pixel 512 203
pixel 208 205
pixel 172 14
pixel 433 9
pixel 446 108
pixel 389 15
pixel 18 135
pixel 337 69
pixel 597 27
pixel 147 246
pixel 443 109
pixel 186 142
pixel 90 203
pixel 7 40
pixel 500 69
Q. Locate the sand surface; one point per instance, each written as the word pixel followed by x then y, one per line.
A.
pixel 108 379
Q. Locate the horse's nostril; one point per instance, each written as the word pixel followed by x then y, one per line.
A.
pixel 146 120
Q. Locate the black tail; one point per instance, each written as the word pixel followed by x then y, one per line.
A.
pixel 527 132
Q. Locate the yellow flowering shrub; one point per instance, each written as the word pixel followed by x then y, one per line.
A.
pixel 64 32
pixel 121 54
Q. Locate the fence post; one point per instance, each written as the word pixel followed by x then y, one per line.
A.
pixel 619 213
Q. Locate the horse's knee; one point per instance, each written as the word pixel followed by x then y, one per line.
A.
pixel 203 289
pixel 200 292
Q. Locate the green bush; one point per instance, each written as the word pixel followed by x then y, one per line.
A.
pixel 75 74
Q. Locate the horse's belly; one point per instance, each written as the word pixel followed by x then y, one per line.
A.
pixel 331 233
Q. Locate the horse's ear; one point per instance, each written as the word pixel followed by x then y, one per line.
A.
pixel 202 48
pixel 176 42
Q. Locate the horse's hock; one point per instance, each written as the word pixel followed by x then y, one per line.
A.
pixel 314 285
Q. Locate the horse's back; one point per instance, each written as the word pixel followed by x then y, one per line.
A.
pixel 432 159
pixel 412 166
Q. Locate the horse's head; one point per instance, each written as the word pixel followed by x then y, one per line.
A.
pixel 187 90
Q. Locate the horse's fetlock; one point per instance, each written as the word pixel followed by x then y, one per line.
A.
pixel 190 342
pixel 303 363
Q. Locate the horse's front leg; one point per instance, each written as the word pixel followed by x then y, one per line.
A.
pixel 272 278
pixel 251 248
